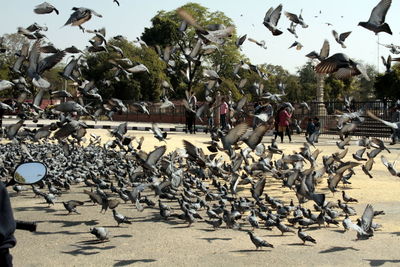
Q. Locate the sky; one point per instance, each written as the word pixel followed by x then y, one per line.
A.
pixel 133 16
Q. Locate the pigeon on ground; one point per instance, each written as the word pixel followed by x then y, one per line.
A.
pixel 119 218
pixel 258 242
pixel 71 205
pixel 101 233
pixel 305 237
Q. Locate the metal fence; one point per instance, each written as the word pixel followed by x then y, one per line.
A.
pixel 327 112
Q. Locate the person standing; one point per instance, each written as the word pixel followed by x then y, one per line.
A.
pixel 1 121
pixel 284 119
pixel 395 132
pixel 310 127
pixel 7 228
pixel 192 114
pixel 317 126
pixel 223 111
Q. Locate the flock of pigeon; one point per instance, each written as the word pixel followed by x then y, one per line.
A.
pixel 189 185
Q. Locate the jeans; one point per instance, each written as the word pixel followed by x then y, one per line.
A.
pixel 223 121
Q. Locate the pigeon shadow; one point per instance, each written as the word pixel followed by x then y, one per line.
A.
pixel 338 231
pixel 59 232
pixel 299 245
pixel 337 249
pixel 249 251
pixel 210 239
pixel 396 233
pixel 87 249
pixel 208 230
pixel 380 262
pixel 35 208
pixel 122 236
pixel 129 262
pixel 75 223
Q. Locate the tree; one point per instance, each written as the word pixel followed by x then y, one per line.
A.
pixel 144 86
pixel 387 85
pixel 308 82
pixel 164 34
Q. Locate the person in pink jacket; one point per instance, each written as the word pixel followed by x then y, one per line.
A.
pixel 284 121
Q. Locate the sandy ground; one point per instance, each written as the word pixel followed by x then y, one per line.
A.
pixel 64 240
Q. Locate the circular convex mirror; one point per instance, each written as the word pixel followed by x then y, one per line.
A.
pixel 30 172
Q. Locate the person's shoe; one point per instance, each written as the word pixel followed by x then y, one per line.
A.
pixel 392 143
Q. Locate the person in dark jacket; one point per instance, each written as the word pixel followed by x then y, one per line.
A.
pixel 7 228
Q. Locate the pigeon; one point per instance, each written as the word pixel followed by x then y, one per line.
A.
pixel 259 43
pixel 271 20
pixel 296 19
pixel 71 205
pixel 282 227
pixel 347 198
pixel 80 16
pixel 387 63
pixel 390 166
pixel 119 218
pixel 157 132
pixel 340 38
pixel 323 54
pixel 367 167
pixel 45 8
pixel 296 44
pixel 258 242
pixel 341 66
pixel 215 223
pixel 101 233
pixel 305 237
pixel 359 153
pixel 376 21
pixel 343 143
pixel 364 230
pixel 240 40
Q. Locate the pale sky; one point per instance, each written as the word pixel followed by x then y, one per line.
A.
pixel 133 16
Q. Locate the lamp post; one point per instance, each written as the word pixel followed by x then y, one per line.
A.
pixel 321 110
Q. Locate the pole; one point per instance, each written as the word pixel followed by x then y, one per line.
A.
pixel 378 54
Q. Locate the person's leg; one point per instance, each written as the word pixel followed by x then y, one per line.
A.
pixel 288 134
pixel 194 122
pixel 223 121
pixel 281 131
pixel 190 124
pixel 6 258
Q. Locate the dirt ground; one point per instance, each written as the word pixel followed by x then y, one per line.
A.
pixel 64 240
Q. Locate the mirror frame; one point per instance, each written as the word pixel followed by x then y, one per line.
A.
pixel 16 182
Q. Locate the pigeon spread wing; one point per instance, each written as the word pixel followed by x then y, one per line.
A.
pixel 379 12
pixel 155 155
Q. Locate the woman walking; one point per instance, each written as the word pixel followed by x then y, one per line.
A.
pixel 284 119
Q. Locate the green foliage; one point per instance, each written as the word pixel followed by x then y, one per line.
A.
pixel 140 86
pixel 387 85
pixel 164 33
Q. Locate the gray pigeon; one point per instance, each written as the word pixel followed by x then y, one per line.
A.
pixel 71 205
pixel 258 242
pixel 101 233
pixel 119 218
pixel 271 20
pixel 305 237
pixel 45 8
pixel 376 21
pixel 341 66
pixel 80 16
pixel 340 38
